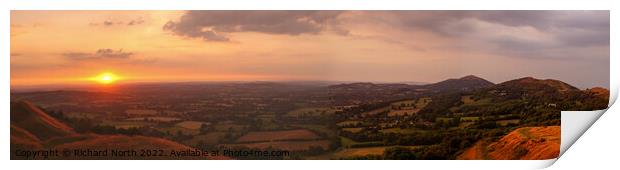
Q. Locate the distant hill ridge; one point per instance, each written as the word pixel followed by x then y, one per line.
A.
pixel 469 82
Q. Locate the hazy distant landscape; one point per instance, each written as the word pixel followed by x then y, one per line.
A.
pixel 461 118
pixel 302 84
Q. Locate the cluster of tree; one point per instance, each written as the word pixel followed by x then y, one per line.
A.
pixel 440 105
pixel 78 124
pixel 143 131
pixel 421 153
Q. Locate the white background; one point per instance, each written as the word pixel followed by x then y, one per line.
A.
pixel 597 149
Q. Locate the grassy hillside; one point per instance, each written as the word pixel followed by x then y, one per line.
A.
pixel 33 129
pixel 527 143
pixel 29 117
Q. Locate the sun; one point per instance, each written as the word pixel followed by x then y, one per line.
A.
pixel 106 78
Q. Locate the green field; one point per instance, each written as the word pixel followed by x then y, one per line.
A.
pixel 376 111
pixel 470 119
pixel 404 103
pixel 413 107
pixel 346 142
pixel 403 112
pixel 400 131
pixel 484 101
pixel 311 111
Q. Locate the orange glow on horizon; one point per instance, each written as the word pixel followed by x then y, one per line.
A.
pixel 106 78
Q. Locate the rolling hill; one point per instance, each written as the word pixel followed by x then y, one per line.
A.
pixel 529 87
pixel 466 83
pixel 33 129
pixel 32 119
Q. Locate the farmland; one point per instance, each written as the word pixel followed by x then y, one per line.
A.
pixel 341 121
pixel 361 152
pixel 154 118
pixel 312 111
pixel 194 125
pixel 127 124
pixel 299 134
pixel 285 145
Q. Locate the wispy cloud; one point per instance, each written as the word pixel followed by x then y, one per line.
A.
pixel 111 22
pixel 104 53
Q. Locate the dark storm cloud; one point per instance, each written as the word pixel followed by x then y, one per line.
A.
pixel 213 25
pixel 99 54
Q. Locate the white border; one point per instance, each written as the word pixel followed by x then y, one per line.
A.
pixel 582 153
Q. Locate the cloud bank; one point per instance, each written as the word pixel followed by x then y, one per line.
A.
pixel 214 25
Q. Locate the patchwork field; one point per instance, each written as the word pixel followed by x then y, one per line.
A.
pixel 408 107
pixel 299 134
pixel 228 126
pixel 352 152
pixel 403 112
pixel 211 138
pixel 175 130
pixel 311 111
pixel 376 111
pixel 317 128
pixel 401 131
pixel 154 118
pixel 285 145
pixel 127 124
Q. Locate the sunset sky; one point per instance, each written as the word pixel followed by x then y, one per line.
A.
pixel 72 47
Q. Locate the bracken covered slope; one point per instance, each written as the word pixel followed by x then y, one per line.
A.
pixel 527 143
